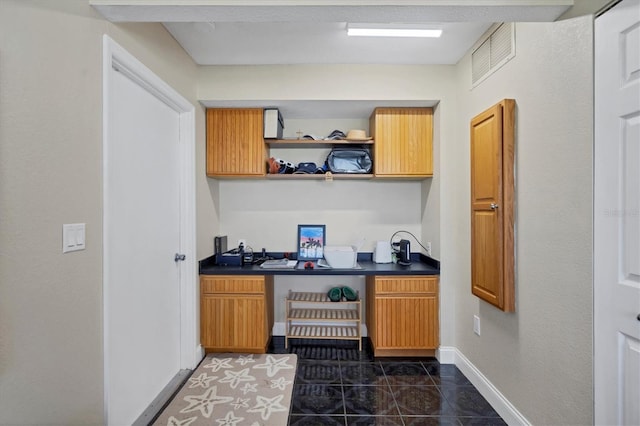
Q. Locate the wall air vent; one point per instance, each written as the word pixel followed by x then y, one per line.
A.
pixel 492 52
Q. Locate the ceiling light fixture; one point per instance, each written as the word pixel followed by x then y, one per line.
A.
pixel 392 30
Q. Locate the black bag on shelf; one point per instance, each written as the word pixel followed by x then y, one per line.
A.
pixel 349 160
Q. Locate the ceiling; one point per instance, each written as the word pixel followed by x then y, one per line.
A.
pixel 258 32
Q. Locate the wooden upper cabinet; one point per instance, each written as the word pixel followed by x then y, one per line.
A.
pixel 492 209
pixel 403 142
pixel 235 143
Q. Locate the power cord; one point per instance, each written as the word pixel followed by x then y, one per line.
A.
pixel 406 232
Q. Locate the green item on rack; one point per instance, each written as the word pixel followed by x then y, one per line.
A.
pixel 349 294
pixel 335 294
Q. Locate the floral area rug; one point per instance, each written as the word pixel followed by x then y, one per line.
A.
pixel 235 389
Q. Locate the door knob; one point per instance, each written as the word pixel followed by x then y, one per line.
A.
pixel 493 206
pixel 179 257
pixel 638 317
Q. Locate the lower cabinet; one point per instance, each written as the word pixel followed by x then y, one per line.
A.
pixel 403 315
pixel 236 313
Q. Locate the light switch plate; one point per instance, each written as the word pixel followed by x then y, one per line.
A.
pixel 73 237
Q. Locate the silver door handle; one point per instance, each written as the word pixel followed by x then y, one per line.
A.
pixel 179 257
pixel 493 206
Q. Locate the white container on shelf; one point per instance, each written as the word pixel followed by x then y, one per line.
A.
pixel 341 257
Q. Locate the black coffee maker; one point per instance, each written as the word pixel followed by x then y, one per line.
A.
pixel 404 255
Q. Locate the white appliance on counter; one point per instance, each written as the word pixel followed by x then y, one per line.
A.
pixel 382 252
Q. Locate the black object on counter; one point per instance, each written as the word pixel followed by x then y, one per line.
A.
pixel 404 256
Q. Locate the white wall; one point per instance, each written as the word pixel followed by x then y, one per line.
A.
pixel 51 366
pixel 539 357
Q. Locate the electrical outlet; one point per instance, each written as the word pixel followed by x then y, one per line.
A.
pixel 428 246
pixel 242 242
pixel 476 324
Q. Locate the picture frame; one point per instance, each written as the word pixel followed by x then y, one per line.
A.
pixel 311 242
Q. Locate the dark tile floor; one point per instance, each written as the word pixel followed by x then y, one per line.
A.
pixel 338 385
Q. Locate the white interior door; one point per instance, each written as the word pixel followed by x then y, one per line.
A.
pixel 617 216
pixel 143 224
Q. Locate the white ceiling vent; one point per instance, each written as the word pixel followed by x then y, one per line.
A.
pixel 493 51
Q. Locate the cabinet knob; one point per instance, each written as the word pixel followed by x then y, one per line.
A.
pixel 493 206
pixel 638 317
pixel 179 257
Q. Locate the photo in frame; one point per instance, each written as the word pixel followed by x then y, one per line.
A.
pixel 311 242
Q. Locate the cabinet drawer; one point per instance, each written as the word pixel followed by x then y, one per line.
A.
pixel 229 284
pixel 406 285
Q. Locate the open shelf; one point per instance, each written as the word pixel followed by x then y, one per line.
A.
pixel 334 176
pixel 325 320
pixel 311 143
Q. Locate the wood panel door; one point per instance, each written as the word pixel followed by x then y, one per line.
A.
pixel 233 322
pixel 235 143
pixel 403 315
pixel 236 313
pixel 492 186
pixel 403 142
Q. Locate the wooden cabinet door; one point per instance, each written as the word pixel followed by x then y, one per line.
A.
pixel 403 141
pixel 233 322
pixel 235 143
pixel 403 315
pixel 492 186
pixel 236 313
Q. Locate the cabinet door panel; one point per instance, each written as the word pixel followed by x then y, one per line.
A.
pixel 217 320
pixel 233 284
pixel 235 143
pixel 406 284
pixel 233 321
pixel 249 327
pixel 408 323
pixel 492 187
pixel 403 315
pixel 403 141
pixel 236 312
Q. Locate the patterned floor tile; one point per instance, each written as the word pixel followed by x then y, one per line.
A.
pixel 369 400
pixel 336 384
pixel 302 420
pixel 406 374
pixel 374 421
pixel 362 373
pixel 446 374
pixel 317 399
pixel 421 401
pixel 467 401
pixel 430 421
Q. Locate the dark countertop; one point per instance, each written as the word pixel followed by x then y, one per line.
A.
pixel 420 265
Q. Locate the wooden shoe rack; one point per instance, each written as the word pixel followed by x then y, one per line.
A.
pixel 315 316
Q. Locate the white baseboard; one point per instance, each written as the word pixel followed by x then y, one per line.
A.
pixel 279 329
pixel 200 355
pixel 446 355
pixel 498 401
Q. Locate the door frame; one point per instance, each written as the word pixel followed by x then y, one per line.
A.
pixel 115 56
